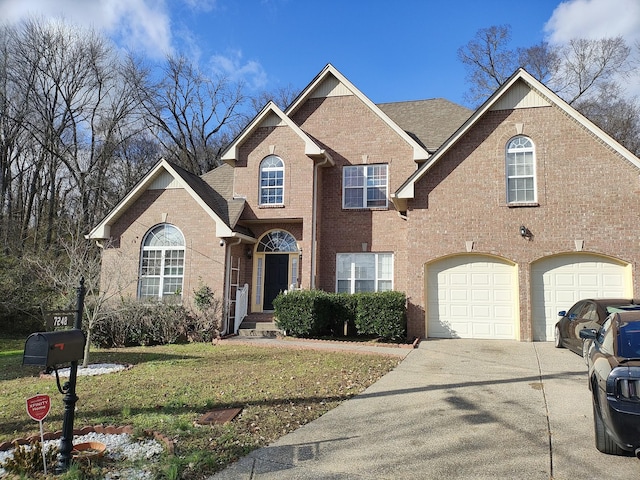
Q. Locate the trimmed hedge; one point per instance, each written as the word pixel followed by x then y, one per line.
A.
pixel 312 313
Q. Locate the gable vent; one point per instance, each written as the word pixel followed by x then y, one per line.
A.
pixel 271 120
pixel 520 95
pixel 331 87
pixel 164 181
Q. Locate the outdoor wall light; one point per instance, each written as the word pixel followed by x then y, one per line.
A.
pixel 525 232
pixel 249 253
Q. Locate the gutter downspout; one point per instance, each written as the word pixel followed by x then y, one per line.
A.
pixel 314 216
pixel 227 284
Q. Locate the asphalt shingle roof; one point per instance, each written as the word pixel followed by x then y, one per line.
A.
pixel 430 122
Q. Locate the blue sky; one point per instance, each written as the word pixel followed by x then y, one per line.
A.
pixel 392 51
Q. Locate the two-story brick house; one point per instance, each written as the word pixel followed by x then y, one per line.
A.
pixel 490 221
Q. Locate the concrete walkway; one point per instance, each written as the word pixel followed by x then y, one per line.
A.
pixel 453 409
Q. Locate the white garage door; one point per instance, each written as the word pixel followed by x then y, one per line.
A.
pixel 559 282
pixel 471 296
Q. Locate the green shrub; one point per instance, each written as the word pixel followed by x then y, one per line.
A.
pixel 296 313
pixel 309 313
pixel 382 314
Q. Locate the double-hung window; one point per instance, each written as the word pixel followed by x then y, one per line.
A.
pixel 272 181
pixel 162 263
pixel 365 186
pixel 521 171
pixel 364 272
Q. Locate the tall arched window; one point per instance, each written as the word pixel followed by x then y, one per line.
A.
pixel 162 263
pixel 272 181
pixel 521 171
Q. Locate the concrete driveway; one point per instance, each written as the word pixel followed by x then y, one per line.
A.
pixel 454 409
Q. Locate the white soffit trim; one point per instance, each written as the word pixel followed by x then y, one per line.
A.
pixel 324 86
pixel 539 94
pixel 268 117
pixel 156 174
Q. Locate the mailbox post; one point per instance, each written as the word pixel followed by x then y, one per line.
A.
pixel 50 349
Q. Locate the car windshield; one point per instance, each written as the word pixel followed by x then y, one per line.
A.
pixel 629 341
pixel 622 308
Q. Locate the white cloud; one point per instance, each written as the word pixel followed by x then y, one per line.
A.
pixel 141 25
pixel 235 68
pixel 595 19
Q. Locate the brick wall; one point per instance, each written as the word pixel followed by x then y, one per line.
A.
pixel 585 191
pixel 354 135
pixel 204 257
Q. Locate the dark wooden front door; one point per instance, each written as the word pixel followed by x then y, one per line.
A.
pixel 276 277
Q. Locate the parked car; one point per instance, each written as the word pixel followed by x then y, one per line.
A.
pixel 614 381
pixel 589 313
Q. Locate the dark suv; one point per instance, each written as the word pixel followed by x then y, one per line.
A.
pixel 614 380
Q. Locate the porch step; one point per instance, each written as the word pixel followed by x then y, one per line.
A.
pixel 258 326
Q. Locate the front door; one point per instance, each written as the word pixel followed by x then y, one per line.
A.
pixel 276 277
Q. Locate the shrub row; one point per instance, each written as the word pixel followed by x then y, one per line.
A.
pixel 135 323
pixel 313 313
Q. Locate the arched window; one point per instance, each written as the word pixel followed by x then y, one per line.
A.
pixel 162 263
pixel 272 181
pixel 278 241
pixel 521 171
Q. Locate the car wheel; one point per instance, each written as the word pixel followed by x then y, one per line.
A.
pixel 604 443
pixel 557 337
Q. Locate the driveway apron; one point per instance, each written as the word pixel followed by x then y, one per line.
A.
pixel 453 409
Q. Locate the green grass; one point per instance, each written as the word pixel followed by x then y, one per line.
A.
pixel 169 387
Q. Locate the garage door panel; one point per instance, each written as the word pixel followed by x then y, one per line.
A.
pixel 559 282
pixel 470 297
pixel 458 311
pixel 482 330
pixel 612 281
pixel 456 295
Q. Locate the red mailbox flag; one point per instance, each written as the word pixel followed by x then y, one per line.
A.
pixel 38 407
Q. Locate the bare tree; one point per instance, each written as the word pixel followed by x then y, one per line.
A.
pixel 82 258
pixel 78 106
pixel 585 73
pixel 585 65
pixel 282 97
pixel 190 113
pixel 488 60
pixel 572 71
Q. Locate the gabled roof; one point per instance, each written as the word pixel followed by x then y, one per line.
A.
pixel 266 116
pixel 419 152
pixel 220 179
pixel 430 121
pixel 502 98
pixel 210 201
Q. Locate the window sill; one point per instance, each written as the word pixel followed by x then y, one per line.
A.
pixel 523 205
pixel 278 205
pixel 365 209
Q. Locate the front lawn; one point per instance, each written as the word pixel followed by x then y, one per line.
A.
pixel 169 387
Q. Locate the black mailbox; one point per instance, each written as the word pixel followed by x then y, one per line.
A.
pixel 49 349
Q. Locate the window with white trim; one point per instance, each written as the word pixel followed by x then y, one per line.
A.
pixel 161 263
pixel 364 272
pixel 364 186
pixel 272 181
pixel 521 171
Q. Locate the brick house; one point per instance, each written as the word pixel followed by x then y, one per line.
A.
pixel 490 221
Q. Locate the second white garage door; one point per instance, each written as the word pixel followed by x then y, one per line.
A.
pixel 558 282
pixel 471 296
